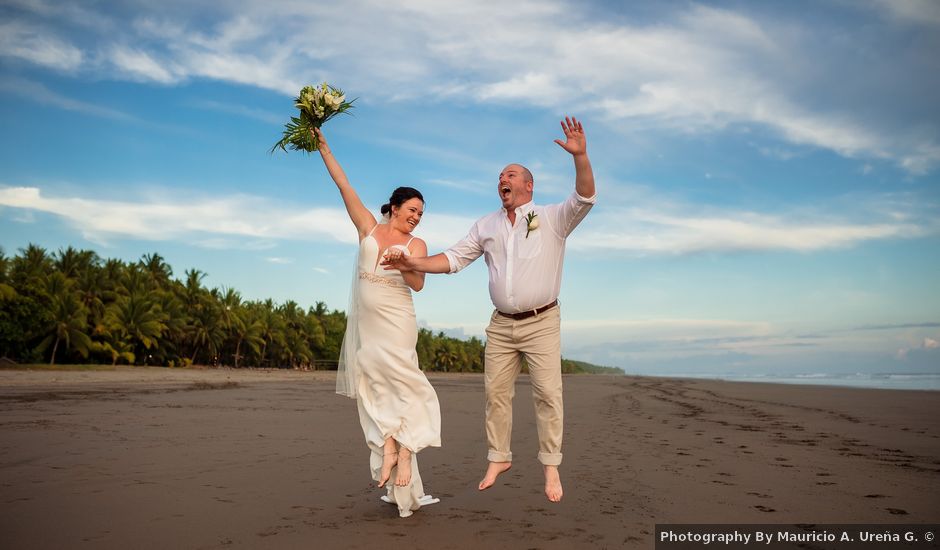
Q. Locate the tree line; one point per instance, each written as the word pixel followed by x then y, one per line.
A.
pixel 74 307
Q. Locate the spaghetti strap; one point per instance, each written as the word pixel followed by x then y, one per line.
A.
pixel 409 242
pixel 371 231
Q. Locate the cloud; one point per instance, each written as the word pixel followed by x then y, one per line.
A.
pixel 38 45
pixel 37 92
pixel 202 220
pixel 669 336
pixel 659 229
pixel 897 326
pixel 921 357
pixel 663 227
pixel 139 65
pixel 236 221
pixel 277 260
pixel 688 68
pixel 924 12
pixel 672 345
pixel 72 13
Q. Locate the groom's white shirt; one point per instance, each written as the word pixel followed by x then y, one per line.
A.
pixel 525 271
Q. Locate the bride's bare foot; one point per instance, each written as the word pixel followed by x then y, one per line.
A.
pixel 388 462
pixel 492 471
pixel 404 468
pixel 552 483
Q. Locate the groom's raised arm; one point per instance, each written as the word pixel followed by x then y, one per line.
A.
pixel 566 215
pixel 576 144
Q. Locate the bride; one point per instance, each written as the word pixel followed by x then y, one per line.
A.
pixel 398 408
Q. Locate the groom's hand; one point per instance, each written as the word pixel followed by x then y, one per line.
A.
pixel 401 262
pixel 575 142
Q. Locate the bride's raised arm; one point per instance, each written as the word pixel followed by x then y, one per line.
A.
pixel 358 213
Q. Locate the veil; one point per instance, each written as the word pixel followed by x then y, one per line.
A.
pixel 347 371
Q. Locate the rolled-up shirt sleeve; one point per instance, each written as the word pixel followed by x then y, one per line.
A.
pixel 566 216
pixel 465 251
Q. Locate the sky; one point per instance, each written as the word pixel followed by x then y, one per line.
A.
pixel 768 173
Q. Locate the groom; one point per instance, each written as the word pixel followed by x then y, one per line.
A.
pixel 524 245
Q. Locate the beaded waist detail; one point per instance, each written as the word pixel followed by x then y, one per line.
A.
pixel 373 278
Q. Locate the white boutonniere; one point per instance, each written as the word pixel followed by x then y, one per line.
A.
pixel 532 223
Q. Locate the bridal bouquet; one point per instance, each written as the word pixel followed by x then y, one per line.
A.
pixel 317 104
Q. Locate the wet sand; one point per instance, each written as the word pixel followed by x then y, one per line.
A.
pixel 164 458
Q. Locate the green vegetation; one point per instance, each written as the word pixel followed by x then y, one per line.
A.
pixel 73 307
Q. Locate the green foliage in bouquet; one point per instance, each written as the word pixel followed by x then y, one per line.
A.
pixel 317 105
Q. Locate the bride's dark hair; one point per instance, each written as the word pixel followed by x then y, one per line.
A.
pixel 399 196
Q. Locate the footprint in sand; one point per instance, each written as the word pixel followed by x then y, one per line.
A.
pixel 896 511
pixel 764 508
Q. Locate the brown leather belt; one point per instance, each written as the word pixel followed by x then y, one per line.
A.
pixel 531 313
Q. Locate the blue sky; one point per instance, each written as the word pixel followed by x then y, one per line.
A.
pixel 767 172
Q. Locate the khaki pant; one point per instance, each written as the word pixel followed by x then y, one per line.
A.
pixel 538 339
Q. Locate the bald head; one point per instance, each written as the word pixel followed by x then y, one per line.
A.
pixel 515 186
pixel 527 176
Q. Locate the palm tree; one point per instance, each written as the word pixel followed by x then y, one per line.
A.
pixel 159 271
pixel 7 292
pixel 107 342
pixel 271 328
pixel 30 267
pixel 193 290
pixel 296 347
pixel 69 319
pixel 230 306
pixel 205 330
pixel 112 273
pixel 135 280
pixel 248 331
pixel 176 319
pixel 138 313
pixel 446 358
pixel 71 262
pixel 136 320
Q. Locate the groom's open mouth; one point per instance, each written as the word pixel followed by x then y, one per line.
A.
pixel 504 191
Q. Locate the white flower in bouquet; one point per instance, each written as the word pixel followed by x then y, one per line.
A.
pixel 317 104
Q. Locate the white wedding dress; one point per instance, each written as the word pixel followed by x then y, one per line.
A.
pixel 394 397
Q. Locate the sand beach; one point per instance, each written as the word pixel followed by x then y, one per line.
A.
pixel 223 458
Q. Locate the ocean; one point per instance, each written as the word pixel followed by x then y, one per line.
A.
pixel 887 381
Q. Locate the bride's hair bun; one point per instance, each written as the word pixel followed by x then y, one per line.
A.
pixel 399 197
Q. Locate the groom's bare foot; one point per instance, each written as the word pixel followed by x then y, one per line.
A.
pixel 552 483
pixel 492 471
pixel 404 468
pixel 389 460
